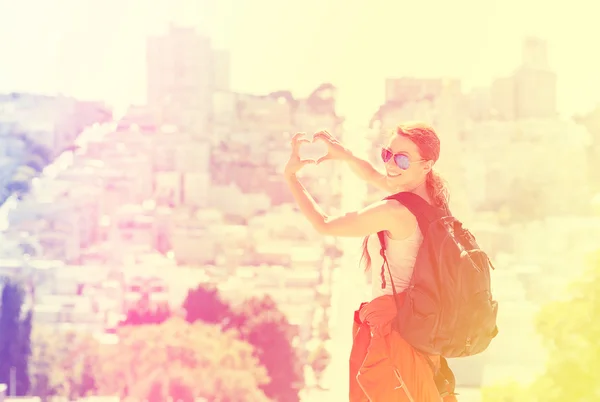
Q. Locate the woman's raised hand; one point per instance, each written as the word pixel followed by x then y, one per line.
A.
pixel 294 164
pixel 335 150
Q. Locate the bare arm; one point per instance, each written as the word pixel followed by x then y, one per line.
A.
pixel 365 171
pixel 360 167
pixel 372 219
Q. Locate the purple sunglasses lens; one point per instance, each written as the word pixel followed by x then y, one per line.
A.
pixel 385 155
pixel 402 161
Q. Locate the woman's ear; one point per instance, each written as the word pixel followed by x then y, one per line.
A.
pixel 427 166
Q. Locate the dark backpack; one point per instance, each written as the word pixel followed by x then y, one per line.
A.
pixel 448 308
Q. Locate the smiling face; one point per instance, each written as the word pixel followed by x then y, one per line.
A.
pixel 415 175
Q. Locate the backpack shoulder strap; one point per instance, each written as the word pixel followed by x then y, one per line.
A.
pixel 421 209
pixel 425 214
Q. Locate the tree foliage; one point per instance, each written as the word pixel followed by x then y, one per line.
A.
pixel 154 362
pixel 155 359
pixel 42 152
pixel 147 317
pixel 263 325
pixel 507 392
pixel 36 162
pixel 179 358
pixel 15 331
pixel 20 186
pixel 205 304
pixel 570 331
pixel 60 363
pixel 243 351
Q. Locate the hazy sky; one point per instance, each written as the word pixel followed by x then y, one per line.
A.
pixel 96 48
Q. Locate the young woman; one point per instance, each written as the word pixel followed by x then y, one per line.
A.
pixel 383 367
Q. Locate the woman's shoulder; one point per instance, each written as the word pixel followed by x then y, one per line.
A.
pixel 392 209
pixel 402 222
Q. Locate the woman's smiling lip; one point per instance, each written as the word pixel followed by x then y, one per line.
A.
pixel 393 175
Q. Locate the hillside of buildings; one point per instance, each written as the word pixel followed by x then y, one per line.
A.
pixel 116 222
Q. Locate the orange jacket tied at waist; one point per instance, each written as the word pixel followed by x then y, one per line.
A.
pixel 383 366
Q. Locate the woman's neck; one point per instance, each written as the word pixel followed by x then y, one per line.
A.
pixel 421 191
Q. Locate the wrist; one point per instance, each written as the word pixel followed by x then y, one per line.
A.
pixel 290 177
pixel 346 155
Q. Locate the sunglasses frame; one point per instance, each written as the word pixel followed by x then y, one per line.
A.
pixel 395 156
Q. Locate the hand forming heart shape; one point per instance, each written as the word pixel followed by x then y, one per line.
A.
pixel 334 150
pixel 313 149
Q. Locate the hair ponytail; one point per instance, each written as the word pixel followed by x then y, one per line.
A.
pixel 437 189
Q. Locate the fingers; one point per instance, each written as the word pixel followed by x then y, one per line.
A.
pixel 297 143
pixel 320 136
pixel 322 159
pixel 298 139
pixel 298 136
pixel 325 136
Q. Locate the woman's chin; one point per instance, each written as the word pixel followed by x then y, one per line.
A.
pixel 394 182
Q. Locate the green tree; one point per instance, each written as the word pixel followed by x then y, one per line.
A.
pixel 180 358
pixel 178 389
pixel 61 363
pixel 205 304
pixel 157 316
pixel 22 364
pixel 507 392
pixel 263 325
pixel 18 186
pixel 35 162
pixel 42 152
pixel 14 337
pixel 570 331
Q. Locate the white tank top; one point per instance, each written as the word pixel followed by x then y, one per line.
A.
pixel 401 255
